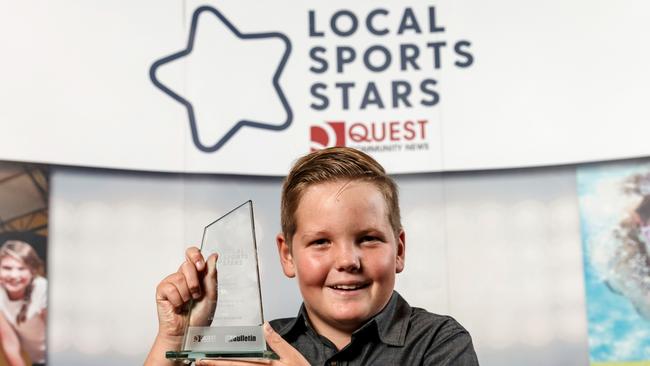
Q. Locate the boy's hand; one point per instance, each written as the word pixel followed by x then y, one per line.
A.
pixel 289 356
pixel 195 279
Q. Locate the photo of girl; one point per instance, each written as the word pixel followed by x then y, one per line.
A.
pixel 24 206
pixel 23 303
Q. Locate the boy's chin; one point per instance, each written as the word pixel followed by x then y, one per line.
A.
pixel 348 325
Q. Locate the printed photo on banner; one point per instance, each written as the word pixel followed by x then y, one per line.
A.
pixel 24 193
pixel 614 203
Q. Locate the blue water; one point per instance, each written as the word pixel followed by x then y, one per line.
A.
pixel 616 331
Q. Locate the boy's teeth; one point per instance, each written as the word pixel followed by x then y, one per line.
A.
pixel 347 287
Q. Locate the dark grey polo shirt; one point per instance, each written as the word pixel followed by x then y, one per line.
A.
pixel 398 335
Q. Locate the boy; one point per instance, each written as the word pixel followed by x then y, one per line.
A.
pixel 343 240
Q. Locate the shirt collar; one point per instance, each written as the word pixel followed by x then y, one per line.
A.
pixel 299 323
pixel 392 321
pixel 390 324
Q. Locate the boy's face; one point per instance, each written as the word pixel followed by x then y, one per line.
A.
pixel 344 253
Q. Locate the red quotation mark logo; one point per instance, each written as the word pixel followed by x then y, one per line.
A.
pixel 328 134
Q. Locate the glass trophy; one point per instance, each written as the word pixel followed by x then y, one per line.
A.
pixel 231 327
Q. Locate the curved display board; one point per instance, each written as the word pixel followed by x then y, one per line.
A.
pixel 422 86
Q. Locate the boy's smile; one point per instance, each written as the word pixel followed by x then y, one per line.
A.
pixel 344 254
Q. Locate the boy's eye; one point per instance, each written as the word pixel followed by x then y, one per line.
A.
pixel 320 242
pixel 369 238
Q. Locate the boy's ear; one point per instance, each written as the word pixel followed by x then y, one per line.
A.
pixel 286 258
pixel 401 252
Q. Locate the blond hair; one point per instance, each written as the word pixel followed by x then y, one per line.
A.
pixel 333 164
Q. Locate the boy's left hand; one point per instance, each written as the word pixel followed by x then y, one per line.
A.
pixel 289 356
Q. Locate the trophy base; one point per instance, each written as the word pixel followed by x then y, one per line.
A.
pixel 191 356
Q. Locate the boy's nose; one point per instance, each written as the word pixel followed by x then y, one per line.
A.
pixel 348 258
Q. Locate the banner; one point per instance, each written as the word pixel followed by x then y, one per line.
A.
pixel 24 197
pixel 615 225
pixel 246 87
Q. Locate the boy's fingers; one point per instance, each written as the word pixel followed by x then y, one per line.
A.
pixel 166 291
pixel 193 255
pixel 188 270
pixel 178 280
pixel 210 280
pixel 288 354
pixel 203 313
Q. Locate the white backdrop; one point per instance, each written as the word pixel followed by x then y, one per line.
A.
pixel 498 251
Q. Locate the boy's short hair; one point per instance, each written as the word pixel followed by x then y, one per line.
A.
pixel 329 165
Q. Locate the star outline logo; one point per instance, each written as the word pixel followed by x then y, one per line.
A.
pixel 188 105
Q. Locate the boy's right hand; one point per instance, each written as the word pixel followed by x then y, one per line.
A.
pixel 195 279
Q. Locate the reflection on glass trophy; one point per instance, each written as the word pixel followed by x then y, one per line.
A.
pixel 232 328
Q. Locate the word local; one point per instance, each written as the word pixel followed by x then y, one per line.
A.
pixel 402 50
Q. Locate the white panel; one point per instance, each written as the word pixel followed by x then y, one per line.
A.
pixel 549 83
pixel 498 251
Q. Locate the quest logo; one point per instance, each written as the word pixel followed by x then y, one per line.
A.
pixel 408 135
pixel 328 134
